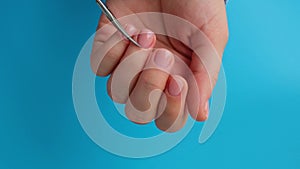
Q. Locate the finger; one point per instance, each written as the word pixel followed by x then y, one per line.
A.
pixel 204 89
pixel 146 38
pixel 205 72
pixel 142 104
pixel 173 117
pixel 130 66
pixel 104 32
pixel 125 75
pixel 113 48
pixel 206 60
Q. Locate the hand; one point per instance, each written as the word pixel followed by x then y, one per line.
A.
pixel 158 56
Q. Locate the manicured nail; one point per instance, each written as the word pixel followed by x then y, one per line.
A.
pixel 175 86
pixel 206 109
pixel 146 38
pixel 163 58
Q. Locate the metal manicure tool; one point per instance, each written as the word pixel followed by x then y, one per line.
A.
pixel 115 22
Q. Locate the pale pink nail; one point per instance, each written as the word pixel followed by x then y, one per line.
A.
pixel 146 38
pixel 163 58
pixel 175 86
pixel 206 109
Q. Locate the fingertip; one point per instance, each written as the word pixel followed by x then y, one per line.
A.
pixel 175 86
pixel 203 113
pixel 161 59
pixel 146 38
pixel 173 117
pixel 201 118
pixel 206 109
pixel 96 68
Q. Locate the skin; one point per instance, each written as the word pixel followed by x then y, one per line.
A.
pixel 210 19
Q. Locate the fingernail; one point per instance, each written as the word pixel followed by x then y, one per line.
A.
pixel 163 58
pixel 206 109
pixel 146 38
pixel 175 86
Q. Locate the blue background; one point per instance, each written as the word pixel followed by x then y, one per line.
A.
pixel 40 41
